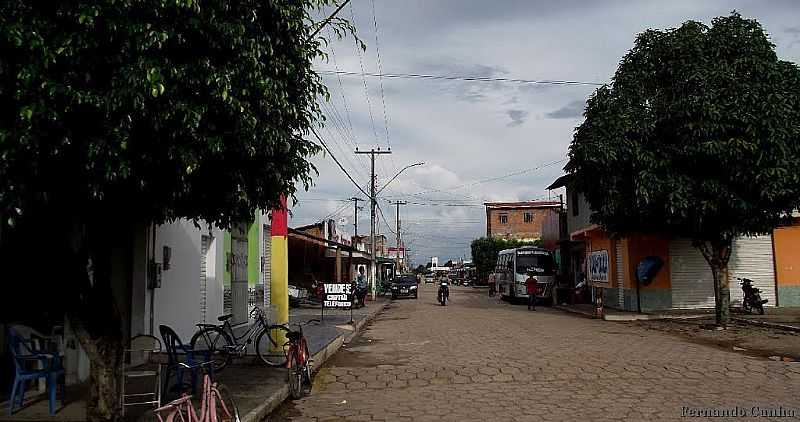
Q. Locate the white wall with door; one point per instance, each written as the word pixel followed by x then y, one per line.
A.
pixel 191 289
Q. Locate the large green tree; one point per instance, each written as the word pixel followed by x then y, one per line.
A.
pixel 124 113
pixel 696 136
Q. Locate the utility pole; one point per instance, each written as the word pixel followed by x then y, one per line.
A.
pixel 397 232
pixel 355 213
pixel 372 203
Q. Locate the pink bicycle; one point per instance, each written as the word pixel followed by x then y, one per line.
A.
pixel 216 405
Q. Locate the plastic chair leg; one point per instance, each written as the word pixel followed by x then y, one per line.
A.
pixel 51 393
pixel 13 399
pixel 21 393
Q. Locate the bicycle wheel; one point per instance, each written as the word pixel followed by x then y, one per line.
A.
pixel 269 345
pixel 307 371
pixel 295 376
pixel 226 408
pixel 216 343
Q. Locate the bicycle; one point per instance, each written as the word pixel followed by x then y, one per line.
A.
pixel 298 362
pixel 223 343
pixel 216 404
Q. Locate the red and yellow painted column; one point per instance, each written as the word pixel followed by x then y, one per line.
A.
pixel 279 260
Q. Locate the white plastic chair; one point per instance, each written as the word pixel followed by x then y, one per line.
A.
pixel 137 364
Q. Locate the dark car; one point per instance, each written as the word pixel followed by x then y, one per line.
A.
pixel 404 285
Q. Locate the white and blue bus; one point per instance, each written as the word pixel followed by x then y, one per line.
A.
pixel 513 266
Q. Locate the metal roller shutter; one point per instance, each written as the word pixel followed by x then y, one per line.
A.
pixel 620 273
pixel 692 282
pixel 752 258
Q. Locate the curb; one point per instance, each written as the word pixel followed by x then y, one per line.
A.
pixel 365 321
pixel 767 324
pixel 573 311
pixel 627 318
pixel 278 397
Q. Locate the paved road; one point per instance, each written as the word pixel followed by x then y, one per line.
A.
pixel 479 359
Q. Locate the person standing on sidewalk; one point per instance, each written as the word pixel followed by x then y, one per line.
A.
pixel 531 286
pixel 492 284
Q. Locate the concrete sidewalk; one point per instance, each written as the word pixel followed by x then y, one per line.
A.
pixel 783 318
pixel 257 389
pixel 610 314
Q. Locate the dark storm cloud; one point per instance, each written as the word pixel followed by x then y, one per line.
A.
pixel 569 111
pixel 518 117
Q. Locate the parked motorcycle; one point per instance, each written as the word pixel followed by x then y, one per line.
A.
pixel 359 294
pixel 444 293
pixel 752 301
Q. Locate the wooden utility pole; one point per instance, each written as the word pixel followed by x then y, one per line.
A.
pixel 372 204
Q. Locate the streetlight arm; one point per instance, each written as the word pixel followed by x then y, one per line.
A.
pixel 395 176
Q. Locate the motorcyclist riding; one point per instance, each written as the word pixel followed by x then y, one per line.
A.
pixel 444 292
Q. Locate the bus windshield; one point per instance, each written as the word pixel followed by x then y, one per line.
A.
pixel 541 264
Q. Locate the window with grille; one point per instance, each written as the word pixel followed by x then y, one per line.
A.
pixel 528 217
pixel 503 219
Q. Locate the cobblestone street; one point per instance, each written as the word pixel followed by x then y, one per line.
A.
pixel 479 359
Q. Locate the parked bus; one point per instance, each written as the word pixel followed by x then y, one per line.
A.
pixel 512 268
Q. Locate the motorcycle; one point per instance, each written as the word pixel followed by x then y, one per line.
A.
pixel 752 297
pixel 444 293
pixel 359 294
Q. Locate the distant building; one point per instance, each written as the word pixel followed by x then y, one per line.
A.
pixel 519 220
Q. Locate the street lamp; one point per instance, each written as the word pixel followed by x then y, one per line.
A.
pixel 395 176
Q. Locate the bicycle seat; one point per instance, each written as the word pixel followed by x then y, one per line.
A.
pixel 293 335
pixel 225 317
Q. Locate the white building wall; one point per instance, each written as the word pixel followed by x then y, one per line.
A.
pixel 177 301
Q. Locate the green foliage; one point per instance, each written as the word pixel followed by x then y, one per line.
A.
pixel 696 136
pixel 156 109
pixel 485 250
pixel 420 269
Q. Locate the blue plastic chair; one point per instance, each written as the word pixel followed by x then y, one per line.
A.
pixel 175 348
pixel 25 355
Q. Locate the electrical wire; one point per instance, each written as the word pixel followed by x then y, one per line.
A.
pixel 461 78
pixel 380 78
pixel 492 179
pixel 363 75
pixel 324 145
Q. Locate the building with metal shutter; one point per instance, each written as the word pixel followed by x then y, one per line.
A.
pixel 772 262
pixel 692 282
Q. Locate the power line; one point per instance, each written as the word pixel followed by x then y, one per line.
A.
pixel 380 210
pixel 380 78
pixel 337 161
pixel 363 75
pixel 492 179
pixel 344 136
pixel 462 78
pixel 341 89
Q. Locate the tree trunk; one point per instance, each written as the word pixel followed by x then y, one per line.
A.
pixel 717 253
pixel 96 319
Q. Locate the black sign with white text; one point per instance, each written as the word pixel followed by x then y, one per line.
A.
pixel 338 295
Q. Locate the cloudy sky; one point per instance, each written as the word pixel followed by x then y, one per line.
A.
pixel 480 141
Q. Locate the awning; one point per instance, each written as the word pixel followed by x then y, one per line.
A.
pixel 584 232
pixel 560 182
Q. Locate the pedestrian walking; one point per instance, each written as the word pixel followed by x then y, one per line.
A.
pixel 531 286
pixel 492 284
